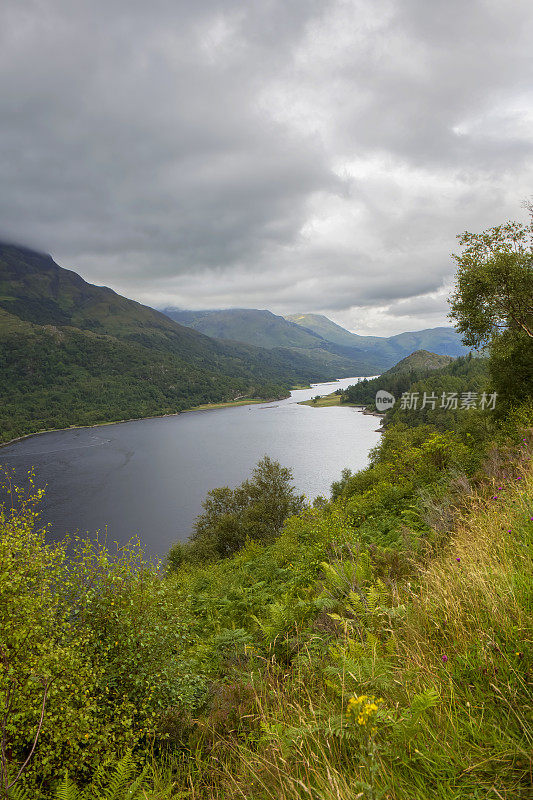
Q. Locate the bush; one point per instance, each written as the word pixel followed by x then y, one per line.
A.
pixel 89 641
pixel 255 511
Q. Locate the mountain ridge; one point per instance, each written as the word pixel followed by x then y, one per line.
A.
pixel 308 333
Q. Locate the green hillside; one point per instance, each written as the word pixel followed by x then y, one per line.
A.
pixel 464 374
pixel 73 353
pixel 326 344
pixel 420 360
pixel 261 328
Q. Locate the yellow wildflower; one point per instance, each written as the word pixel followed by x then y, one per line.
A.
pixel 364 707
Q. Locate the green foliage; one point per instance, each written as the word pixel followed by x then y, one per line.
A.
pixel 225 665
pixel 494 283
pixel 493 304
pixel 465 374
pixel 255 511
pixel 511 369
pixel 384 500
pixel 111 782
pixel 90 638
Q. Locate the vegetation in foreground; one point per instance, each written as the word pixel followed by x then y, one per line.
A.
pixel 382 645
pixel 375 645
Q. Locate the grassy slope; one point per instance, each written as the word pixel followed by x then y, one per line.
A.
pixel 448 655
pixel 427 626
pixel 449 728
pixel 327 401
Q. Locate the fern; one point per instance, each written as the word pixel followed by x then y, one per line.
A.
pixel 18 793
pixel 133 791
pixel 120 778
pixel 411 717
pixel 67 790
pixel 120 784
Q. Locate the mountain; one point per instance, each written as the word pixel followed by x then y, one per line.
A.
pixel 419 361
pixel 330 331
pixel 422 372
pixel 443 340
pixel 75 353
pixel 261 328
pixel 326 344
pixel 265 329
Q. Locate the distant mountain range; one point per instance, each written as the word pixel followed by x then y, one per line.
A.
pixel 443 341
pixel 319 339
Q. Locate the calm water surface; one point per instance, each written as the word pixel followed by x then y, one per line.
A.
pixel 149 477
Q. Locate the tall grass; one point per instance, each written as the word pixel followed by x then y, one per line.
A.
pixel 450 654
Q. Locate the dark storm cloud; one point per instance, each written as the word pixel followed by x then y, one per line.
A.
pixel 304 156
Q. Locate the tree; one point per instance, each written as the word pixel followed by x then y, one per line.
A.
pixel 255 510
pixel 493 303
pixel 494 290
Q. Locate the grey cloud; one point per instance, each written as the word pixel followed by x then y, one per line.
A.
pixel 295 156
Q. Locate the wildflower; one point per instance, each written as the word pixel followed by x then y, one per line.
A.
pixel 457 559
pixel 444 658
pixel 364 708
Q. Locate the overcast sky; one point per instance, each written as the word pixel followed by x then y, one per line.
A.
pixel 294 155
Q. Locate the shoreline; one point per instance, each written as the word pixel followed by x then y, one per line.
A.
pixel 333 401
pixel 195 409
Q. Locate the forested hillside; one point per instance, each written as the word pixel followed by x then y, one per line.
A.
pixel 76 354
pixel 420 360
pixel 463 375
